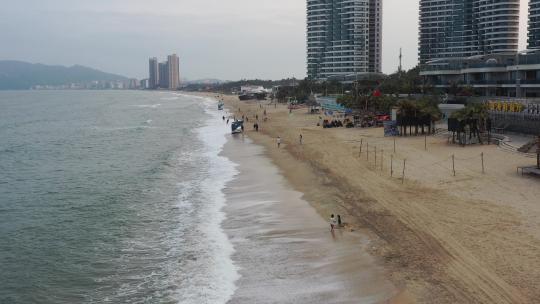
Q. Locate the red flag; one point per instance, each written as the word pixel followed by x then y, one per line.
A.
pixel 377 93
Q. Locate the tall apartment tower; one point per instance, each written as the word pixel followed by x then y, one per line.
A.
pixel 153 71
pixel 463 28
pixel 375 36
pixel 173 66
pixel 164 75
pixel 534 24
pixel 343 37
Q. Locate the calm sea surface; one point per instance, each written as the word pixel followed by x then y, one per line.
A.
pixel 112 197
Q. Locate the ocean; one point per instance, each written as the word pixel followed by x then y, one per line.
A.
pixel 113 197
pixel 146 197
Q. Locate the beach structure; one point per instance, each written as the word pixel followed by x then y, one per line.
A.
pixel 508 75
pixel 253 92
pixel 464 28
pixel 514 115
pixel 448 109
pixel 343 37
pixel 533 170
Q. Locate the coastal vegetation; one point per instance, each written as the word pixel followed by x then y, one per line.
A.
pixel 472 120
pixel 418 115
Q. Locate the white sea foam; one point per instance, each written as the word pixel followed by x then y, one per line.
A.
pixel 151 106
pixel 217 285
pixel 170 98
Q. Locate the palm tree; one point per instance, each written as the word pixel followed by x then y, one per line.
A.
pixel 473 116
pixel 420 113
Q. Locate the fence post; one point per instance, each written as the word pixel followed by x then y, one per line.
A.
pixel 375 157
pixel 394 144
pixel 382 160
pixel 392 165
pixel 483 169
pixel 367 151
pixel 425 142
pixel 453 164
pixel 361 144
pixel 403 176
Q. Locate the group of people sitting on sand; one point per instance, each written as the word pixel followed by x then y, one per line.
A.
pixel 335 123
pixel 332 124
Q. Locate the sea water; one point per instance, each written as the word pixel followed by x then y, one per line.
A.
pixel 113 197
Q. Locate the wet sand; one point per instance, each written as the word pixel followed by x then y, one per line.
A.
pixel 285 250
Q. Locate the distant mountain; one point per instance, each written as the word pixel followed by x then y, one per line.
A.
pixel 18 75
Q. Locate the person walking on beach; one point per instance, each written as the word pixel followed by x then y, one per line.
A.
pixel 278 142
pixel 339 220
pixel 227 121
pixel 301 139
pixel 332 222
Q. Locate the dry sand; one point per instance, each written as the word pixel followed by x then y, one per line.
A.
pixel 469 238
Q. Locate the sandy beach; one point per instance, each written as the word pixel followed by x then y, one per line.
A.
pixel 284 249
pixel 469 238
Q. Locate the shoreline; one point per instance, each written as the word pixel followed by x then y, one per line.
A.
pixel 284 249
pixel 442 238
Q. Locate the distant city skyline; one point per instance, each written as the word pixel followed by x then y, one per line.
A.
pixel 213 39
pixel 164 75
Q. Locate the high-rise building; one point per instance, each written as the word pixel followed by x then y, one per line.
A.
pixel 173 66
pixel 164 75
pixel 343 37
pixel 497 22
pixel 463 28
pixel 153 78
pixel 375 36
pixel 534 24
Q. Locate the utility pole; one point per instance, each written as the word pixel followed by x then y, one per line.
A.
pixel 400 68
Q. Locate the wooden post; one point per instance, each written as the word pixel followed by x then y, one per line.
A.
pixel 367 151
pixel 425 142
pixel 453 164
pixel 394 144
pixel 403 176
pixel 375 157
pixel 483 169
pixel 361 144
pixel 382 160
pixel 392 165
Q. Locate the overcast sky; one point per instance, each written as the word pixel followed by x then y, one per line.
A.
pixel 226 39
